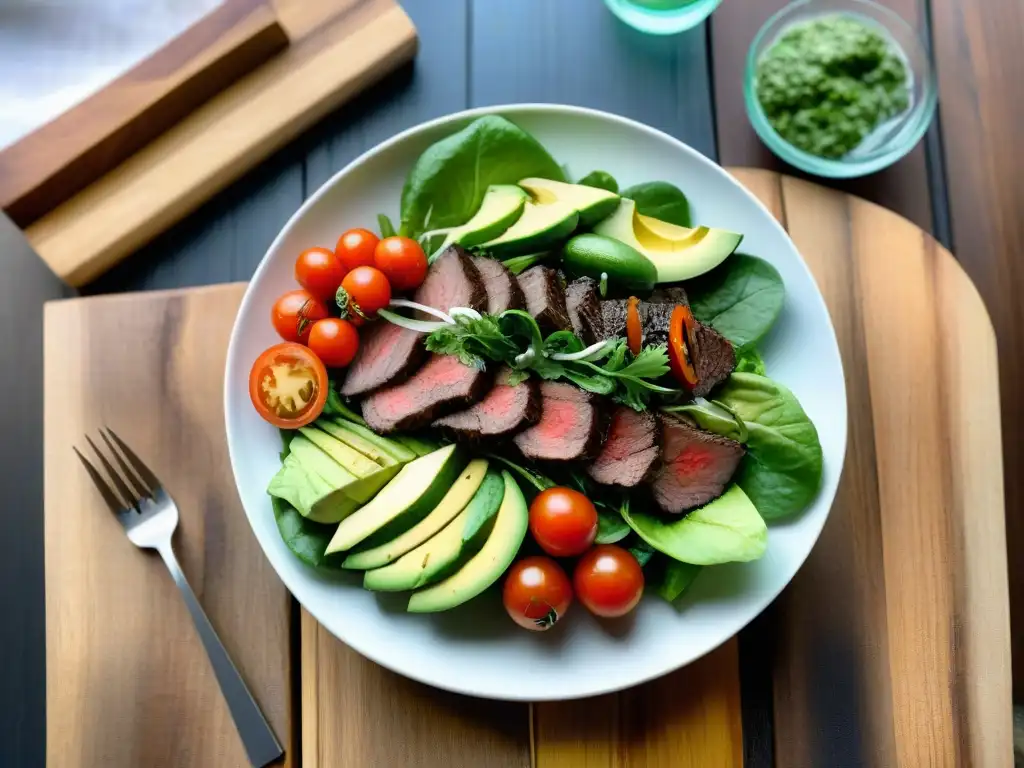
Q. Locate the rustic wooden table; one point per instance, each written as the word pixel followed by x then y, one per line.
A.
pixel 962 184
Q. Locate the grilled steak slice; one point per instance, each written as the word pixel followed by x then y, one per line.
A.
pixel 584 308
pixel 697 466
pixel 631 453
pixel 387 354
pixel 669 295
pixel 441 386
pixel 571 426
pixel 714 361
pixel 545 299
pixel 505 410
pixel 503 291
pixel 654 320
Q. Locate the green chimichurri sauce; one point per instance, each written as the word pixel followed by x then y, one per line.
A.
pixel 826 84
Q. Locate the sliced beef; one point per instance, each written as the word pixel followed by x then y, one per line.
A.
pixel 654 320
pixel 672 294
pixel 584 308
pixel 545 299
pixel 441 386
pixel 504 411
pixel 697 466
pixel 714 361
pixel 503 291
pixel 571 426
pixel 387 354
pixel 631 453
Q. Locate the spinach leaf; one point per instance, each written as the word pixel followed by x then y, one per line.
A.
pixel 660 200
pixel 611 528
pixel 749 361
pixel 670 578
pixel 740 299
pixel 307 540
pixel 726 530
pixel 600 180
pixel 781 472
pixel 447 184
pixel 641 550
pixel 387 229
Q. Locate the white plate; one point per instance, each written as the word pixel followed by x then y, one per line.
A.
pixel 476 649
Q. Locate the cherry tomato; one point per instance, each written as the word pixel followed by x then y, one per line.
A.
pixel 355 248
pixel 682 346
pixel 334 341
pixel 294 313
pixel 288 385
pixel 563 521
pixel 365 291
pixel 608 581
pixel 537 593
pixel 319 272
pixel 402 261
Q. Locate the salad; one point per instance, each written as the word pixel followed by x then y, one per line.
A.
pixel 549 385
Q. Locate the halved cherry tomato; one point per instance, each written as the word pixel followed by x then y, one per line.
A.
pixel 334 341
pixel 563 521
pixel 288 385
pixel 294 313
pixel 608 581
pixel 355 248
pixel 319 272
pixel 402 261
pixel 682 346
pixel 634 330
pixel 537 593
pixel 363 291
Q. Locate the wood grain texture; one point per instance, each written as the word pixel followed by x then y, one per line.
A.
pixel 62 157
pixel 128 681
pixel 893 640
pixel 980 71
pixel 904 187
pixel 354 45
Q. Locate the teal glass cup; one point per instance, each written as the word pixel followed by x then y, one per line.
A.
pixel 663 17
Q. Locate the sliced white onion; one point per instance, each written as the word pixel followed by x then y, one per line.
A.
pixel 525 358
pixel 593 349
pixel 422 308
pixel 421 326
pixel 469 312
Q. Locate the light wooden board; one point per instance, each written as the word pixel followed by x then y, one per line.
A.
pixel 52 163
pixel 128 682
pixel 338 47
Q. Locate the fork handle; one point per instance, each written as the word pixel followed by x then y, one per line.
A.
pixel 259 741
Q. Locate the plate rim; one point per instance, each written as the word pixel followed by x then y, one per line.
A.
pixel 510 110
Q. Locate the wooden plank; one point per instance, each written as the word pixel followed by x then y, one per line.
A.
pixel 228 135
pixel 52 163
pixel 355 714
pixel 893 640
pixel 690 718
pixel 902 187
pixel 128 682
pixel 977 46
pixel 576 52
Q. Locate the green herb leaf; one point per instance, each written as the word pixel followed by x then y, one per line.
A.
pixel 518 264
pixel 600 180
pixel 670 578
pixel 387 229
pixel 611 528
pixel 749 361
pixel 536 479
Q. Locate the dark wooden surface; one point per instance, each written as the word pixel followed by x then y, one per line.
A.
pixel 477 52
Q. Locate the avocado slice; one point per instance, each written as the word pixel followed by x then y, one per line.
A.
pixel 301 483
pixel 541 227
pixel 500 209
pixel 592 204
pixel 403 502
pixel 372 450
pixel 370 475
pixel 446 552
pixel 487 565
pixel 678 253
pixel 417 445
pixel 454 501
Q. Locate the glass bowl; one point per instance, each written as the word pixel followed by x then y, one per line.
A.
pixel 891 140
pixel 662 17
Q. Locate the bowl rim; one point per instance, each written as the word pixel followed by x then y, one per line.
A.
pixel 919 118
pixel 465 687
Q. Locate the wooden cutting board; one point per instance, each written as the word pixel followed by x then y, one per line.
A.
pixel 890 647
pixel 338 48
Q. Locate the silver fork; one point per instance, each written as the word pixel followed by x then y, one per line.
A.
pixel 149 517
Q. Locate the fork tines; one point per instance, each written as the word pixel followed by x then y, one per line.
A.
pixel 120 495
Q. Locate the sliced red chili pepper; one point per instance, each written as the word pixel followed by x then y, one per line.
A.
pixel 682 346
pixel 634 330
